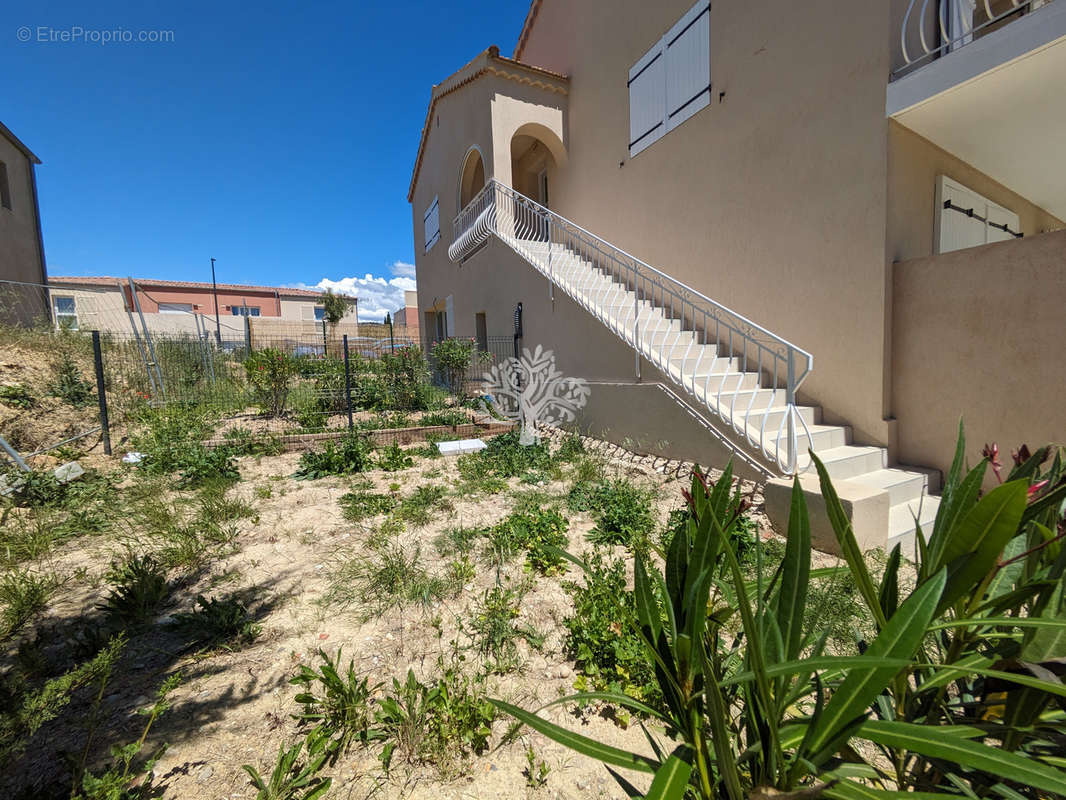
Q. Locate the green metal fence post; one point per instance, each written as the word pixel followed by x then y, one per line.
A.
pixel 101 393
pixel 348 385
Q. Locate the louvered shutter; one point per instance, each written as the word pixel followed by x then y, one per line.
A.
pixel 687 53
pixel 647 102
pixel 431 221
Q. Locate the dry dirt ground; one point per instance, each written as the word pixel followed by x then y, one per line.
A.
pixel 236 708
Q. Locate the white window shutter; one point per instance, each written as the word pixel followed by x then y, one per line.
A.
pixel 431 220
pixel 647 101
pixel 687 53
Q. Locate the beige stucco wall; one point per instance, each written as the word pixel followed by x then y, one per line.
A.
pixel 977 334
pixel 20 253
pixel 913 166
pixel 772 199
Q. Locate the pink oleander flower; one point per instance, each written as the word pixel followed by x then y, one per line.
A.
pixel 991 452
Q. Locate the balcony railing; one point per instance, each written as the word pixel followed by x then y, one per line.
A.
pixel 932 28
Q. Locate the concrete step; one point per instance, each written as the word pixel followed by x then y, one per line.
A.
pixel 901 522
pixel 721 380
pixel 902 483
pixel 848 461
pixel 822 437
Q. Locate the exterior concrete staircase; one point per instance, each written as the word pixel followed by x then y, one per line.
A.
pixel 740 378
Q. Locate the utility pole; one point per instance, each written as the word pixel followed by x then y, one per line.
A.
pixel 388 321
pixel 214 291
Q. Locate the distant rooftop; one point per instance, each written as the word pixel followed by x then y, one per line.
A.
pixel 104 280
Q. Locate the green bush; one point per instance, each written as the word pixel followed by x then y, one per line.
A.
pixel 622 512
pixel 602 636
pixel 336 700
pixel 270 373
pixel 349 454
pixel 956 692
pixel 392 458
pixel 358 506
pixel 17 396
pixel 140 585
pixel 454 357
pixel 215 622
pixel 438 723
pixel 539 532
pixel 67 382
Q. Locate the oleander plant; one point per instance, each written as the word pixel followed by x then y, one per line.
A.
pixel 960 692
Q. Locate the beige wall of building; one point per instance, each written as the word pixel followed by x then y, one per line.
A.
pixel 787 199
pixel 977 335
pixel 21 249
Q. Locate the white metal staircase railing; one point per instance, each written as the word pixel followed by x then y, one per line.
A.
pixel 742 373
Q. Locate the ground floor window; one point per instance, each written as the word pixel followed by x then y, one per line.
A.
pixel 66 312
pixel 245 311
pixel 175 308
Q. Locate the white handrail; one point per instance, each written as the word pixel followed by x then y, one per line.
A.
pixel 970 26
pixel 704 347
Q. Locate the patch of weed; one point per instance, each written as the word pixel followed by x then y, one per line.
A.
pixel 418 507
pixel 393 458
pixel 224 623
pixel 348 455
pixel 358 506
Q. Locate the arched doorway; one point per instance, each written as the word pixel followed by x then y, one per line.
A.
pixel 471 176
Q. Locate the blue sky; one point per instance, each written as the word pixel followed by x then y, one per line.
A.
pixel 276 137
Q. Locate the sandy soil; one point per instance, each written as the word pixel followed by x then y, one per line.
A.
pixel 236 708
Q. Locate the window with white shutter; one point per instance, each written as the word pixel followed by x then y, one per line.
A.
pixel 672 81
pixel 647 101
pixel 431 220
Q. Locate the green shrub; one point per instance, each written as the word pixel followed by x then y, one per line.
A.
pixel 202 465
pixel 392 458
pixel 349 454
pixel 449 417
pixel 222 623
pixel 437 723
pixel 539 532
pixel 242 442
pixel 23 595
pixel 622 512
pixel 454 357
pixel 140 585
pixel 602 636
pixel 17 396
pixel 293 777
pixel 496 631
pixel 955 692
pixel 358 506
pixel 336 700
pixel 270 373
pixel 67 383
pixel 418 508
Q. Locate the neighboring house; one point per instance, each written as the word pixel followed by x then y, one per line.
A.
pixel 21 243
pixel 103 303
pixel 853 220
pixel 407 317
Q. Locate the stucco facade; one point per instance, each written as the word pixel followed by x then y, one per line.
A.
pixel 173 306
pixel 789 198
pixel 21 241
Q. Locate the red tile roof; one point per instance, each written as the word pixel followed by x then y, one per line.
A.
pixel 103 280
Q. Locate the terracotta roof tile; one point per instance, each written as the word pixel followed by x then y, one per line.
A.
pixel 104 280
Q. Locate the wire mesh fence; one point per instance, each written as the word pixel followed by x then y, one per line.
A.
pixel 251 384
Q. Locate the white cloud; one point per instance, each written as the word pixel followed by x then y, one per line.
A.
pixel 377 295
